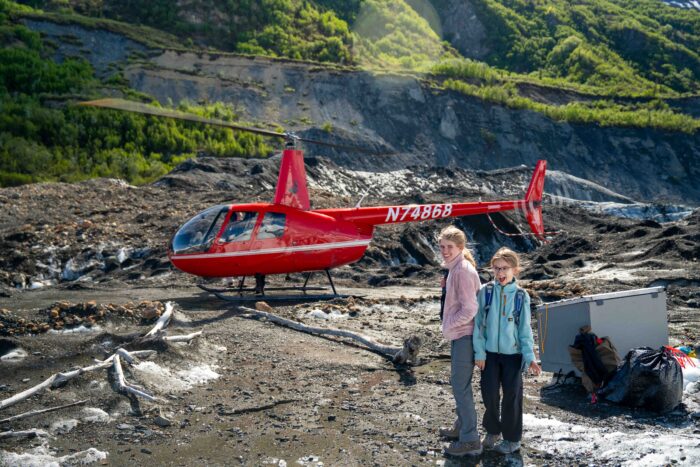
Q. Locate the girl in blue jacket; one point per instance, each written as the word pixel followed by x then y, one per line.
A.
pixel 503 349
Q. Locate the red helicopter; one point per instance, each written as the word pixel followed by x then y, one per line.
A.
pixel 286 236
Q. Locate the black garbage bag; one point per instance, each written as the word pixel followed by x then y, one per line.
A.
pixel 647 378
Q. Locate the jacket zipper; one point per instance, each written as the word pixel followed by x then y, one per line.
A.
pixel 498 346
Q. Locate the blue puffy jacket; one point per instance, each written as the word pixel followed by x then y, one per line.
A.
pixel 499 334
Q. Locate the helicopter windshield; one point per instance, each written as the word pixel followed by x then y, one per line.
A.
pixel 198 234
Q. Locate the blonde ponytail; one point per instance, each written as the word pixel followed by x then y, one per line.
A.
pixel 469 257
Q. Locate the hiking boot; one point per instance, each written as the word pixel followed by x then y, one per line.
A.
pixel 459 448
pixel 490 441
pixel 507 447
pixel 450 433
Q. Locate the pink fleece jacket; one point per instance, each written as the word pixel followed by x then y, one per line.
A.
pixel 460 300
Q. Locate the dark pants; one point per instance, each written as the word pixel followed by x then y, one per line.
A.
pixel 503 371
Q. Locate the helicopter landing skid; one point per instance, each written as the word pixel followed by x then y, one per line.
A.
pixel 279 298
pixel 252 289
pixel 260 289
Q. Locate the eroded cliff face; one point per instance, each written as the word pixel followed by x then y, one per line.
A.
pixel 424 125
pixel 412 122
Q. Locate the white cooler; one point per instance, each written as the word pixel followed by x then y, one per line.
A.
pixel 633 318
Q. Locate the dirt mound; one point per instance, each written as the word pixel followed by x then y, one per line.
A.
pixel 66 315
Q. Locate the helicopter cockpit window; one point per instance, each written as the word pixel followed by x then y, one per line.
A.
pixel 199 232
pixel 240 227
pixel 272 225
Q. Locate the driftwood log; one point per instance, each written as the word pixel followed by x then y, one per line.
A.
pixel 163 320
pixel 156 334
pixel 59 379
pixel 40 411
pixel 123 386
pixel 398 355
pixel 33 433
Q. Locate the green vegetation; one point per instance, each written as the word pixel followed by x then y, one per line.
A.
pixel 296 29
pixel 44 139
pixel 623 47
pixel 466 69
pixel 655 113
pixel 619 44
pixel 390 35
pixel 607 50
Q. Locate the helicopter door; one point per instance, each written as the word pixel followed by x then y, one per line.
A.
pixel 272 226
pixel 270 234
pixel 240 227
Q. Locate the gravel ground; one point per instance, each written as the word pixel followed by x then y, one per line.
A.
pixel 250 392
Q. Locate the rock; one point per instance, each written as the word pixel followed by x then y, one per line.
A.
pixel 162 421
pixel 149 313
pixel 19 280
pixel 262 306
pixel 125 426
pixel 146 451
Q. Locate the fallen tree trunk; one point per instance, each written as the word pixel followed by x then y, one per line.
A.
pixel 155 336
pixel 398 355
pixel 60 379
pixel 38 412
pixel 183 338
pixel 33 433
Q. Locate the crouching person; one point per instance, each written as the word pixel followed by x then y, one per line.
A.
pixel 503 350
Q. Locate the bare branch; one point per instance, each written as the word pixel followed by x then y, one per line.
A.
pixel 397 354
pixel 163 320
pixel 33 433
pixel 185 338
pixel 256 408
pixel 123 386
pixel 37 412
pixel 59 379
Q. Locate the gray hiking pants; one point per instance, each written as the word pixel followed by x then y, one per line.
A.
pixel 462 367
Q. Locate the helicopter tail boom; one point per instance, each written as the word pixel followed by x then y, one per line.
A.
pixel 531 205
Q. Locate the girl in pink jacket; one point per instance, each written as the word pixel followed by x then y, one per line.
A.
pixel 458 308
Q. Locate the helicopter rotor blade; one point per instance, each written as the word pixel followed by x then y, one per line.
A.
pixel 338 146
pixel 145 109
pixel 137 107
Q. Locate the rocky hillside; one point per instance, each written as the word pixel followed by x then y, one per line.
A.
pixel 622 44
pixel 405 118
pixel 462 113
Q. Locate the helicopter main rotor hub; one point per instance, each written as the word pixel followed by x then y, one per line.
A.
pixel 290 140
